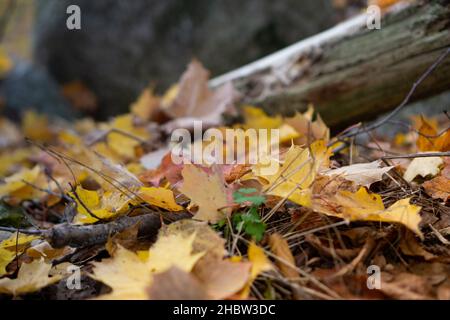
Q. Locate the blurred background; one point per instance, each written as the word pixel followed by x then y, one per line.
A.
pixel 124 46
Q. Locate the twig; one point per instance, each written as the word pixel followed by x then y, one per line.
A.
pixel 419 155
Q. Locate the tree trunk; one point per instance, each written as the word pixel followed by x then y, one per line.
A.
pixel 351 73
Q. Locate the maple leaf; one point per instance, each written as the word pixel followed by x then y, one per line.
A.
pixel 129 275
pixel 176 284
pixel 31 277
pixel 428 138
pixel 193 100
pixel 16 184
pixel 364 206
pixel 439 187
pixel 363 174
pixel 12 247
pixel 121 143
pixel 294 179
pixel 208 191
pixel 125 273
pixel 160 197
pixel 309 130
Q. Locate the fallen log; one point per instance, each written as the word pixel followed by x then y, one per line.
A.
pixel 351 73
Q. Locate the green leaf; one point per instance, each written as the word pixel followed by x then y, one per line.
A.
pixel 250 223
pixel 244 195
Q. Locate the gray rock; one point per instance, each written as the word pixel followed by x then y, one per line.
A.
pixel 123 45
pixel 28 86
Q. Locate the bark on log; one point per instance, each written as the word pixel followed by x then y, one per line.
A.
pixel 351 73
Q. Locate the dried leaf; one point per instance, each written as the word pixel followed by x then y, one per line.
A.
pixel 208 191
pixel 424 167
pixel 285 261
pixel 31 277
pixel 363 174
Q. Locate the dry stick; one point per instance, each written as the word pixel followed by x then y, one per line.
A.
pixel 86 235
pixel 419 155
pixel 383 121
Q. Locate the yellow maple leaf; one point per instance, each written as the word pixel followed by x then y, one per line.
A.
pixel 16 185
pixel 130 274
pixel 173 249
pixel 121 143
pixel 31 277
pixel 160 197
pixel 125 273
pixel 364 206
pixel 8 248
pixel 105 206
pixel 206 191
pixel 295 177
pixel 260 263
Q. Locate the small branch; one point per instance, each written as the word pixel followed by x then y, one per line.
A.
pixel 419 155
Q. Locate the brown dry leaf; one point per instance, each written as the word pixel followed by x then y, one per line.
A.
pixel 411 247
pixel 438 188
pixel 285 261
pixel 406 286
pixel 176 284
pixel 309 130
pixel 222 278
pixel 195 101
pixel 428 138
pixel 80 96
pixel 208 191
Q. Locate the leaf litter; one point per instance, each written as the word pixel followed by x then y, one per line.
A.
pixel 108 199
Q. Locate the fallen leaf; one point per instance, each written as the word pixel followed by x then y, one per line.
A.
pixel 208 191
pixel 36 127
pixel 424 167
pixel 176 284
pixel 285 261
pixel 31 277
pixel 146 105
pixel 125 273
pixel 295 177
pixel 80 96
pixel 173 249
pixel 411 247
pixel 195 101
pixel 308 130
pixel 363 174
pixel 160 197
pixel 222 278
pixel 438 188
pixel 369 207
pixel 260 263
